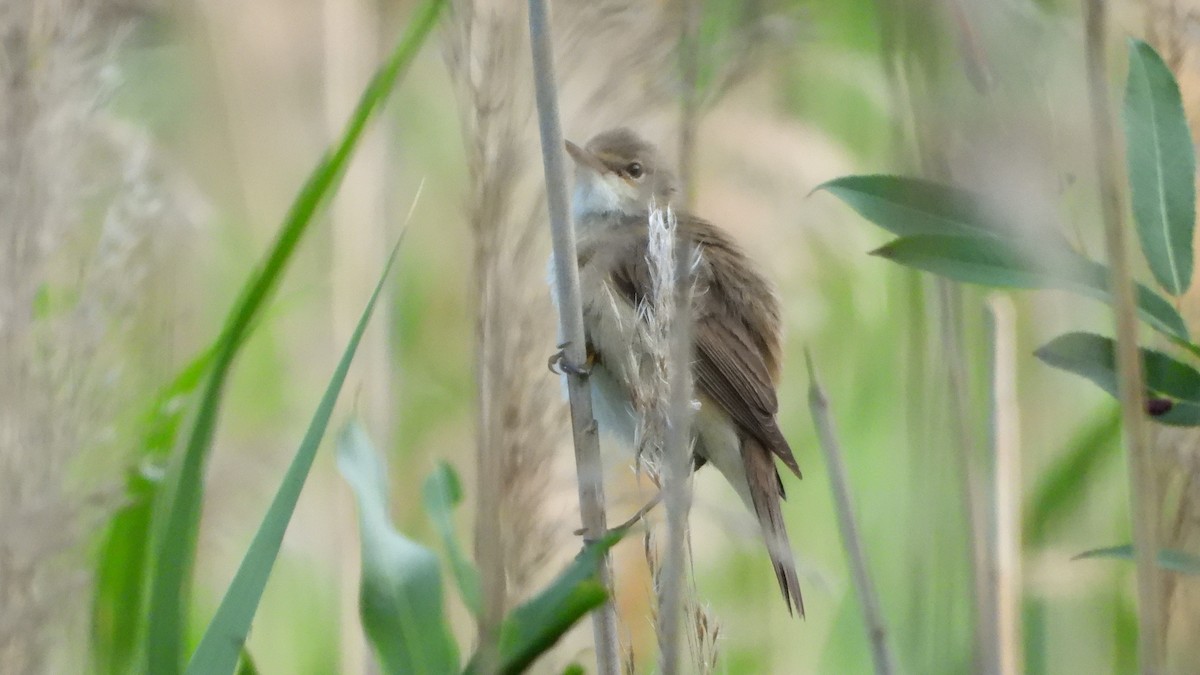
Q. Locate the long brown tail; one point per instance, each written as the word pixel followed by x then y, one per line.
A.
pixel 766 491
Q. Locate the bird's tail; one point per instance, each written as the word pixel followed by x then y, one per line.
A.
pixel 766 492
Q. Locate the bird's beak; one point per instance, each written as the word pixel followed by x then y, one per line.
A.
pixel 584 158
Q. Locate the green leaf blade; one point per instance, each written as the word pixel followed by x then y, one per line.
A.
pixel 178 505
pixel 1162 167
pixel 535 626
pixel 1164 374
pixel 401 590
pixel 909 207
pixel 1006 264
pixel 1168 559
pixel 225 636
pixel 442 492
pixel 121 580
pixel 1094 358
pixel 1063 486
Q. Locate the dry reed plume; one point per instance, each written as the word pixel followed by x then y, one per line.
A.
pixel 84 212
pixel 665 404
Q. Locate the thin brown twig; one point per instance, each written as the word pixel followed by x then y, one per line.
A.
pixel 1142 492
pixel 566 277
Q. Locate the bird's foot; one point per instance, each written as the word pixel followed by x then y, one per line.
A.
pixel 633 520
pixel 558 364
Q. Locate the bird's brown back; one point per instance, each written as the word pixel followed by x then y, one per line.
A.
pixel 736 321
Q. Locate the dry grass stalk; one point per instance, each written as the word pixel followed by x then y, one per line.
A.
pixel 1004 555
pixel 1177 453
pixel 1143 491
pixel 864 585
pixel 701 628
pixel 358 246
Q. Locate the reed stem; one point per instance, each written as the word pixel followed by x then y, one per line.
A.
pixel 868 598
pixel 588 466
pixel 1004 549
pixel 1142 492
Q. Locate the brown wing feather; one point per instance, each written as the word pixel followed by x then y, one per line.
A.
pixel 730 373
pixel 766 491
pixel 736 365
pixel 734 332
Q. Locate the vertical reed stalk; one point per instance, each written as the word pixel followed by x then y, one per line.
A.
pixel 566 278
pixel 1004 559
pixel 1142 492
pixel 676 446
pixel 689 73
pixel 950 302
pixel 489 550
pixel 864 585
pixel 358 249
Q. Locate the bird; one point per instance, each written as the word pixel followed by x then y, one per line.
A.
pixel 736 330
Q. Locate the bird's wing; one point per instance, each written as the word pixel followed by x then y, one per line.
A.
pixel 729 363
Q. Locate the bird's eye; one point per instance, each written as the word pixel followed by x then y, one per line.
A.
pixel 634 170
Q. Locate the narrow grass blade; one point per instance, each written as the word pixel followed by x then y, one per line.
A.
pixel 223 639
pixel 1168 559
pixel 535 626
pixel 117 603
pixel 1063 487
pixel 400 594
pixel 181 501
pixel 1162 167
pixel 1094 357
pixel 120 586
pixel 442 492
pixel 246 665
pixel 1005 264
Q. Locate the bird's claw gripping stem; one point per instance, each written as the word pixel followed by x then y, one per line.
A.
pixel 558 364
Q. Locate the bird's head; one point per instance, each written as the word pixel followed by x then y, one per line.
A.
pixel 618 173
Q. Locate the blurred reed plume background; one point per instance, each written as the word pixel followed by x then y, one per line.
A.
pixel 92 213
pixel 148 153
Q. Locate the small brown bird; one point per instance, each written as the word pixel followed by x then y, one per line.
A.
pixel 736 330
